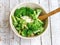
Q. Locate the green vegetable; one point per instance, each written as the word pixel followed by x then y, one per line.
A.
pixel 35 26
pixel 14 21
pixel 24 33
pixel 28 29
pixel 29 32
pixel 37 12
pixel 18 30
pixel 17 13
pixel 29 11
pixel 23 11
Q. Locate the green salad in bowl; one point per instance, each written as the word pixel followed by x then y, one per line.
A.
pixel 26 22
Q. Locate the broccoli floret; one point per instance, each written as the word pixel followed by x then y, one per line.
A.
pixel 27 29
pixel 35 26
pixel 37 12
pixel 23 11
pixel 24 33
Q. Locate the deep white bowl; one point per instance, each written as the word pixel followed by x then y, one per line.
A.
pixel 32 5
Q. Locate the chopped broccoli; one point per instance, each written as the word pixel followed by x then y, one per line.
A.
pixel 27 29
pixel 24 33
pixel 29 32
pixel 38 12
pixel 23 11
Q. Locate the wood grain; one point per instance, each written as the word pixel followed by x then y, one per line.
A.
pixel 43 17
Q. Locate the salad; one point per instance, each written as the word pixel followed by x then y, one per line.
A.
pixel 26 22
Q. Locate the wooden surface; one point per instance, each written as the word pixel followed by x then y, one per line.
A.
pixel 50 37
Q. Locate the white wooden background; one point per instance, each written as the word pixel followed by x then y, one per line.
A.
pixel 51 35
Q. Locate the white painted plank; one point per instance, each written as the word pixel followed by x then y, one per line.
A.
pixel 17 40
pixel 46 40
pixel 34 1
pixel 4 11
pixel 11 37
pixel 4 23
pixel 55 23
pixel 14 39
pixel 55 27
pixel 4 39
pixel 59 2
pixel 53 4
pixel 13 3
pixel 44 4
pixel 35 41
pixel 24 1
pixel 24 41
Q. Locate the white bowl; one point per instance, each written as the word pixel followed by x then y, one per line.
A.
pixel 32 5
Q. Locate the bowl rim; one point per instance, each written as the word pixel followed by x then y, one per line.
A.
pixel 13 28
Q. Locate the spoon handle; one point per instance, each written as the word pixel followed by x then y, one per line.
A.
pixel 42 17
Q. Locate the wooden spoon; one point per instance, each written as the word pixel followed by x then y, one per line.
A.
pixel 42 17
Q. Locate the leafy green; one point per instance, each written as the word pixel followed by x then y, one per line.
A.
pixel 28 29
pixel 37 12
pixel 35 25
pixel 14 21
pixel 24 33
pixel 17 13
pixel 29 11
pixel 29 32
pixel 23 11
